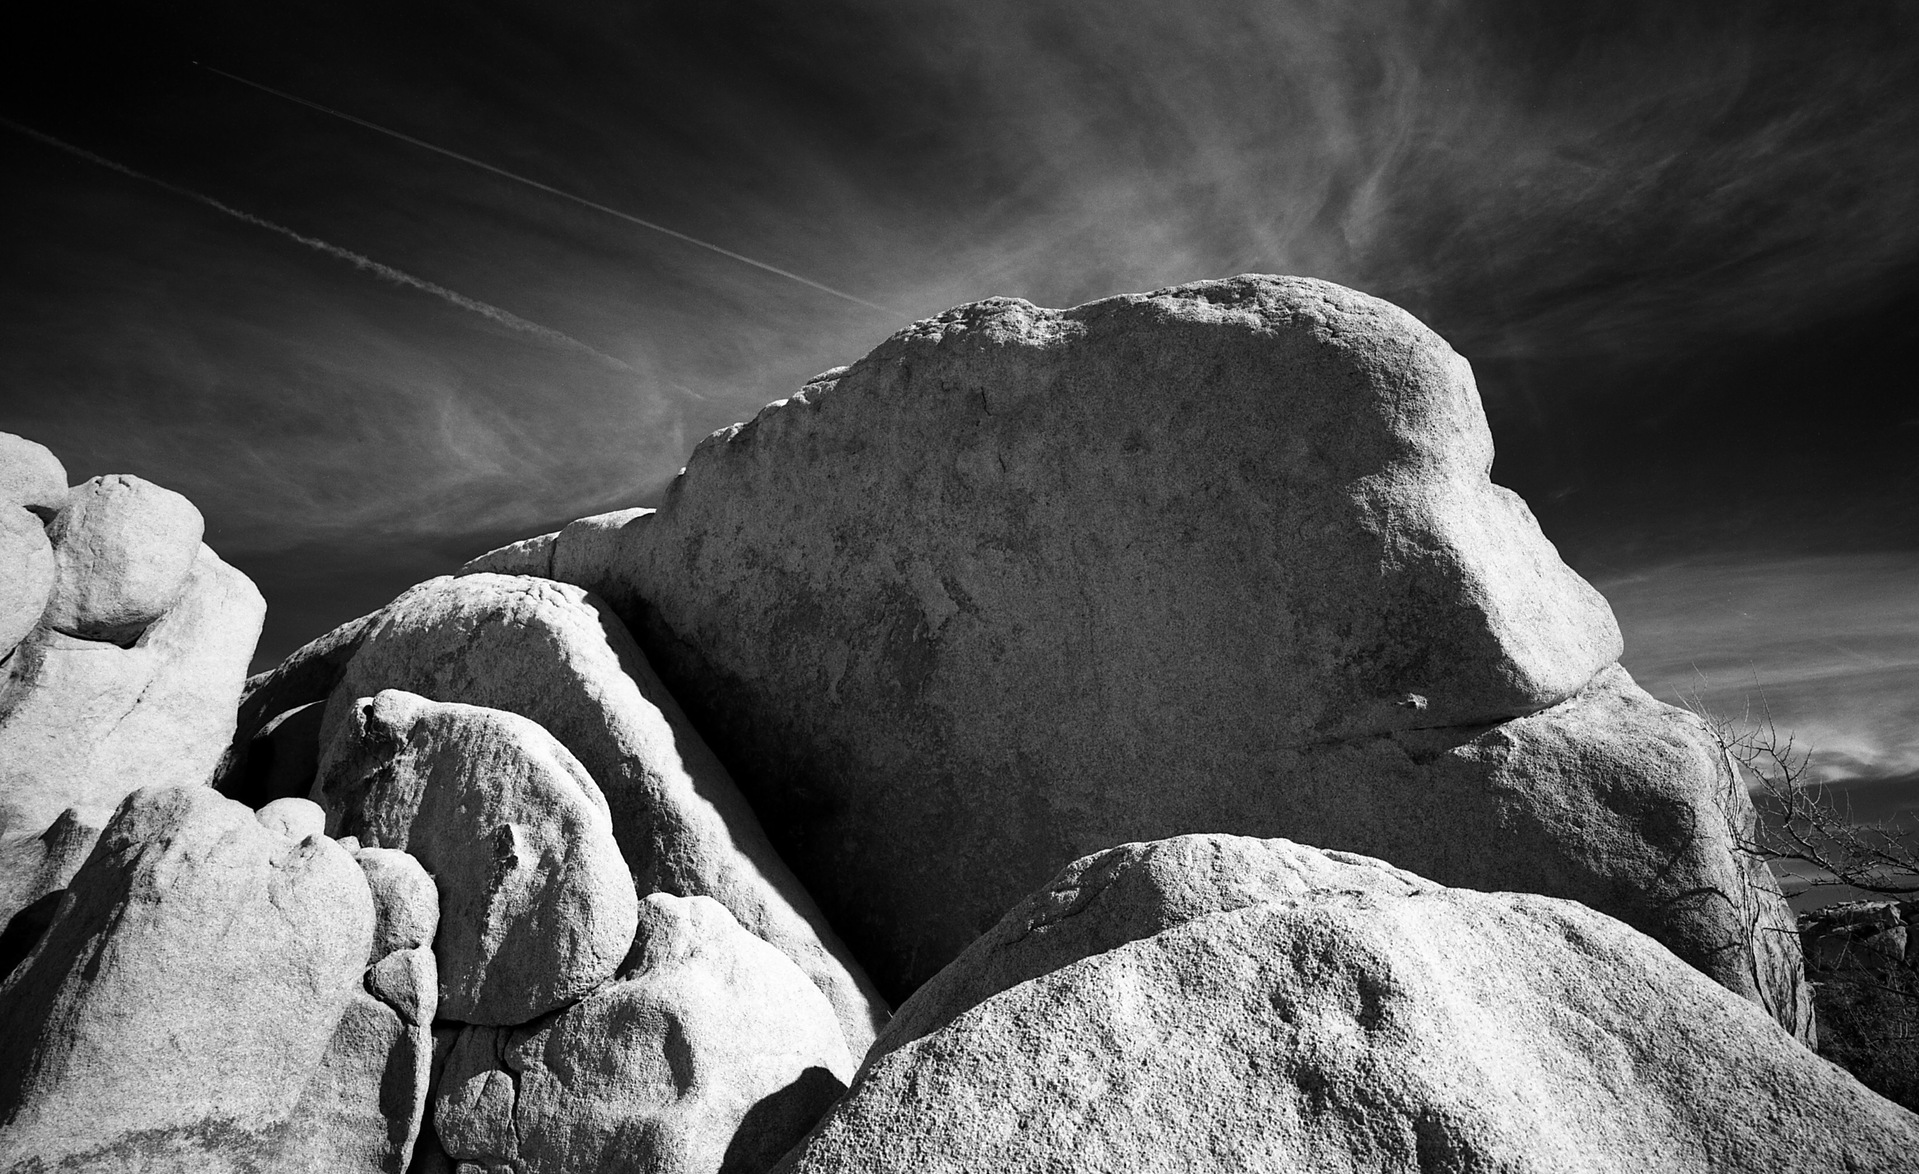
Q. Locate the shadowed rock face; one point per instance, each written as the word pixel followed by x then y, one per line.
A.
pixel 1025 583
pixel 1222 1003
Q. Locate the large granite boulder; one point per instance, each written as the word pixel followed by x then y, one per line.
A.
pixel 125 548
pixel 33 487
pixel 1216 1002
pixel 31 477
pixel 553 654
pixel 83 722
pixel 26 574
pixel 712 1052
pixel 188 986
pixel 363 1107
pixel 536 906
pixel 1024 582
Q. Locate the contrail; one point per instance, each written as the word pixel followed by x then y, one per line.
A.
pixel 360 261
pixel 553 191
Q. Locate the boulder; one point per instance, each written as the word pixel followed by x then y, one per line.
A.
pixel 1024 582
pixel 712 1052
pixel 124 548
pixel 186 989
pixel 1863 960
pixel 363 1107
pixel 536 905
pixel 296 819
pixel 31 477
pixel 26 575
pixel 84 722
pixel 577 550
pixel 1215 1002
pixel 554 655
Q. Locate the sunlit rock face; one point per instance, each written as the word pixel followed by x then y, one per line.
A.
pixel 124 643
pixel 551 654
pixel 1219 1002
pixel 711 1052
pixel 537 906
pixel 1025 583
pixel 185 992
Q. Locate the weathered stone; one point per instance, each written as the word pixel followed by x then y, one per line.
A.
pixel 296 819
pixel 1023 583
pixel 31 477
pixel 84 722
pixel 1213 1002
pixel 579 549
pixel 551 653
pixel 124 548
pixel 363 1107
pixel 712 1052
pixel 404 897
pixel 1609 798
pixel 537 907
pixel 185 991
pixel 1863 960
pixel 26 575
pixel 528 556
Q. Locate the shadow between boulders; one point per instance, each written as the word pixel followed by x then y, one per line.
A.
pixel 780 1121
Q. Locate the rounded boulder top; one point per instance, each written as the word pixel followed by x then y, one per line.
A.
pixel 31 477
pixel 124 547
pixel 1084 576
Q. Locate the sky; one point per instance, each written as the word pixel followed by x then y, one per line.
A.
pixel 1678 242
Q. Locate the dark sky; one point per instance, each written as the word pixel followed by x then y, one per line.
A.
pixel 1679 242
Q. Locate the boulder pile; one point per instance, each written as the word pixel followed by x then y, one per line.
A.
pixel 124 641
pixel 580 859
pixel 1862 958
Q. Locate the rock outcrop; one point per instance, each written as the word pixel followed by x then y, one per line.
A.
pixel 1863 960
pixel 31 477
pixel 536 905
pixel 1023 583
pixel 1215 1002
pixel 363 1107
pixel 551 653
pixel 712 1052
pixel 124 547
pixel 184 993
pixel 130 671
pixel 26 575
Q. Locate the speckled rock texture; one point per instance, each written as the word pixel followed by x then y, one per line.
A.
pixel 31 477
pixel 712 1052
pixel 536 905
pixel 553 654
pixel 26 574
pixel 1024 583
pixel 83 722
pixel 187 988
pixel 124 548
pixel 363 1107
pixel 1223 1003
